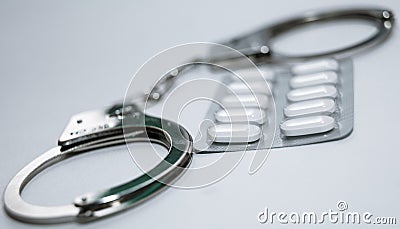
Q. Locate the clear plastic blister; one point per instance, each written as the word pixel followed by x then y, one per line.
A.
pixel 280 86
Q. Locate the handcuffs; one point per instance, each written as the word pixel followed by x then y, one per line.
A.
pixel 120 124
pixel 107 131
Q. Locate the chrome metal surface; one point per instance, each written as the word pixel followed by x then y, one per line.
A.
pixel 102 128
pixel 103 203
pixel 257 45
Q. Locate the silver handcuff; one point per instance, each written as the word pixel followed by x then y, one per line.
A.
pixel 121 124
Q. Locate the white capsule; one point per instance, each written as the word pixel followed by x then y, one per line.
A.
pixel 307 125
pixel 317 106
pixel 256 100
pixel 315 66
pixel 250 88
pixel 315 92
pixel 234 133
pixel 314 79
pixel 252 74
pixel 238 115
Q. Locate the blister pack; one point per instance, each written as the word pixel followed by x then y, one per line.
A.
pixel 263 107
pixel 313 103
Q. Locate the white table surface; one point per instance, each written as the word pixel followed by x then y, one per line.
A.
pixel 58 58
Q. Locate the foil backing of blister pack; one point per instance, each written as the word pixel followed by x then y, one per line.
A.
pixel 272 136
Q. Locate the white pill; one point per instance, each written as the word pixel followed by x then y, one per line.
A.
pixel 307 125
pixel 252 74
pixel 256 100
pixel 315 92
pixel 234 133
pixel 314 79
pixel 317 106
pixel 250 88
pixel 238 115
pixel 315 66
